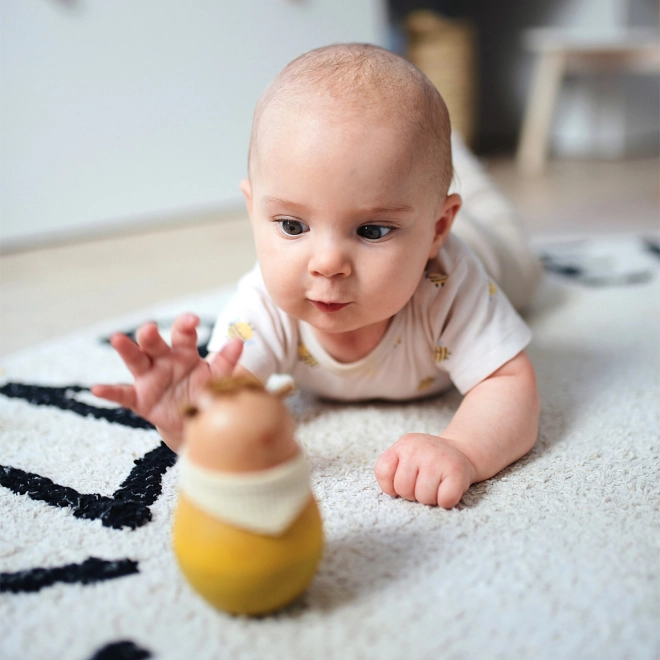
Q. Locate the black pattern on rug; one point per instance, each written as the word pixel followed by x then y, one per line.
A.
pixel 90 571
pixel 652 246
pixel 602 264
pixel 129 504
pixel 128 507
pixel 123 650
pixel 64 399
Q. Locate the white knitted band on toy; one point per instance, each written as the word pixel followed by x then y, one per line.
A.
pixel 265 502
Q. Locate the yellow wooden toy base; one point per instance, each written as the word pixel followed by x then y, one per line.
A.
pixel 242 572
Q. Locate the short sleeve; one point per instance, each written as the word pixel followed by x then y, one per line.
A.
pixel 269 337
pixel 476 330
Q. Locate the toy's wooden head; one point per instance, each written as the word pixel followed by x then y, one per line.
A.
pixel 236 425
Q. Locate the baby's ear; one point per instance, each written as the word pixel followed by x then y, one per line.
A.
pixel 246 189
pixel 444 222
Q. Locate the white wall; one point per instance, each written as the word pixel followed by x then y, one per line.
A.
pixel 116 111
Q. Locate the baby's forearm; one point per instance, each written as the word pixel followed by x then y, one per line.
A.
pixel 497 422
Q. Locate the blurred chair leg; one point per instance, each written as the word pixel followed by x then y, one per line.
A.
pixel 547 80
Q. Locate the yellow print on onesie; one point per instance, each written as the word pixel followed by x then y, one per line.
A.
pixel 441 353
pixel 492 289
pixel 240 330
pixel 425 383
pixel 439 279
pixel 305 356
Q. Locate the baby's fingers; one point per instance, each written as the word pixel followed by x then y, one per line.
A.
pixel 405 479
pixel 385 469
pixel 226 360
pixel 124 395
pixel 426 487
pixel 134 358
pixel 150 341
pixel 451 491
pixel 184 334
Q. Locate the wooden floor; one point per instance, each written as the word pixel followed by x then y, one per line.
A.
pixel 50 291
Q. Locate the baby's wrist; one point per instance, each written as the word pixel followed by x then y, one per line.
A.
pixel 470 466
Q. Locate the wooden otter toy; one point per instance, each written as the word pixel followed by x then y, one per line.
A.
pixel 247 531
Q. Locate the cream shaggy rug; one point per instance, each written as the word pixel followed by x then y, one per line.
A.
pixel 555 557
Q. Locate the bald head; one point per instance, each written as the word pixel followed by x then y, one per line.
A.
pixel 366 82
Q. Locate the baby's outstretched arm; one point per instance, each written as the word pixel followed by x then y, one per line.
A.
pixel 495 424
pixel 167 378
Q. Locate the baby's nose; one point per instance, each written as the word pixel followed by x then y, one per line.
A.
pixel 330 259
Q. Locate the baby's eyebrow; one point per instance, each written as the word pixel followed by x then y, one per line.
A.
pixel 394 208
pixel 283 202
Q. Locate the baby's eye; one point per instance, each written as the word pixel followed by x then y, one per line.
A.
pixel 373 232
pixel 293 227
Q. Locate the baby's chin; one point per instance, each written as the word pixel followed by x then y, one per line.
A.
pixel 336 322
pixel 337 327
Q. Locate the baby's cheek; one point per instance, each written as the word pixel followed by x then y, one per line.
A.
pixel 279 281
pixel 392 297
pixel 287 296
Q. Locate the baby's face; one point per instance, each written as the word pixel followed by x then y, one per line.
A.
pixel 344 220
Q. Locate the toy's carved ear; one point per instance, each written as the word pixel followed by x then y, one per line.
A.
pixel 190 411
pixel 285 390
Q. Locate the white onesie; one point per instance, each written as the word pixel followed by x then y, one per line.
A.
pixel 458 327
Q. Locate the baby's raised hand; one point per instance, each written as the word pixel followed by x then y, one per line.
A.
pixel 425 468
pixel 166 378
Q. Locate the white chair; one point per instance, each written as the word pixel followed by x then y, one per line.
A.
pixel 562 51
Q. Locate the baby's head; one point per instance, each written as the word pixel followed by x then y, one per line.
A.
pixel 349 168
pixel 360 82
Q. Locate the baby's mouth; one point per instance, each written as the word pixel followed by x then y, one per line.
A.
pixel 329 306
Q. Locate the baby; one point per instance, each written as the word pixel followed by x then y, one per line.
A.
pixel 360 291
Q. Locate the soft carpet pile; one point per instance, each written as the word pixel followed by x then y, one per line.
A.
pixel 555 557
